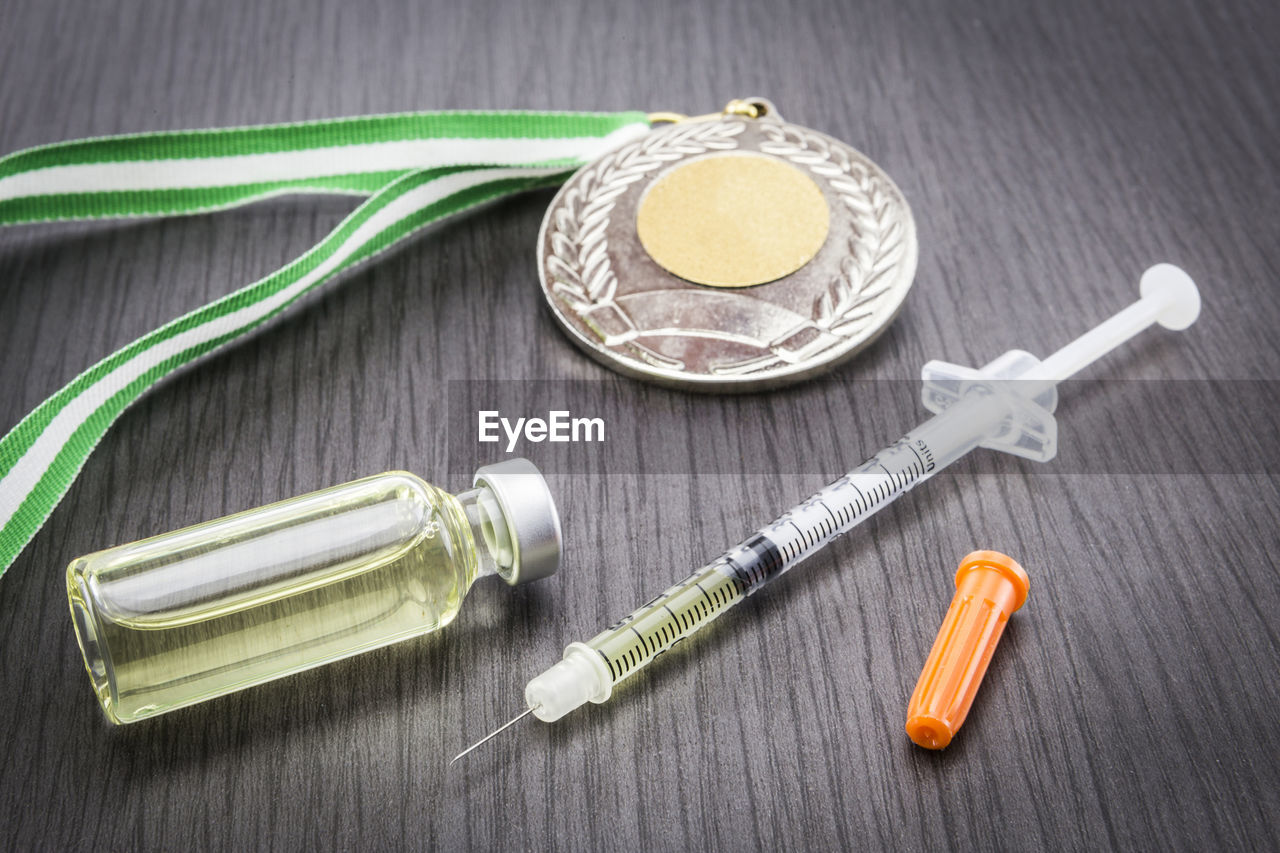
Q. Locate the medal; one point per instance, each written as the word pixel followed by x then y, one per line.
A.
pixel 734 251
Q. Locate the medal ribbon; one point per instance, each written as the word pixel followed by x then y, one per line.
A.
pixel 415 168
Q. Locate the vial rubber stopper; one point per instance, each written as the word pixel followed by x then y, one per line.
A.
pixel 990 586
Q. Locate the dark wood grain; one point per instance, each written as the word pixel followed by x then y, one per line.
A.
pixel 1050 153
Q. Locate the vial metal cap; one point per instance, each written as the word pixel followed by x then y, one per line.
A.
pixel 530 513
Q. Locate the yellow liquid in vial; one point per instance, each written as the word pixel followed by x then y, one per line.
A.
pixel 204 611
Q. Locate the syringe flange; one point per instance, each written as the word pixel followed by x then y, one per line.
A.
pixel 1029 430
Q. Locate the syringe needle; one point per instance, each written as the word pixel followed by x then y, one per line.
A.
pixel 493 734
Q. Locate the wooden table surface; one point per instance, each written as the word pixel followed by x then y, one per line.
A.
pixel 1050 153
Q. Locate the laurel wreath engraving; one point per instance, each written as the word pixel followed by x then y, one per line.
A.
pixel 876 245
pixel 583 278
pixel 579 250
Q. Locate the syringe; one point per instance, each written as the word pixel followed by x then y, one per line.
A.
pixel 973 408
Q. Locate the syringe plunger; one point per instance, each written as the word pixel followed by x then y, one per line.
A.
pixel 1169 297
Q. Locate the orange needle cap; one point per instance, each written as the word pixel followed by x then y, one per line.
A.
pixel 989 587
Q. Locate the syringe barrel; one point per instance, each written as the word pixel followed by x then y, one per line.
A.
pixel 631 643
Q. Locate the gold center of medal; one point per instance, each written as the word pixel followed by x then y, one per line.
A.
pixel 733 220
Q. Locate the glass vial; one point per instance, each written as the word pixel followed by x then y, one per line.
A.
pixel 203 611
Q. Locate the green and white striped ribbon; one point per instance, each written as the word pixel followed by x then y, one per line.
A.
pixel 416 168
